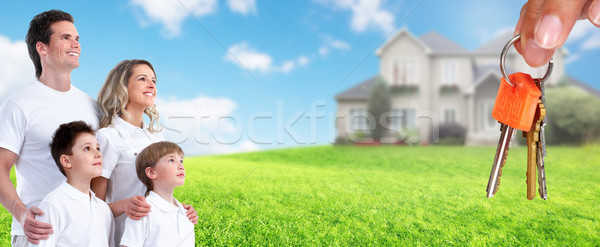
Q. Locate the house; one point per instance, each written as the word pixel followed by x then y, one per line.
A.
pixel 433 80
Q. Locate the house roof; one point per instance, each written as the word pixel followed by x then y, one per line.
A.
pixel 577 83
pixel 496 45
pixel 441 45
pixel 396 36
pixel 358 92
pixel 480 71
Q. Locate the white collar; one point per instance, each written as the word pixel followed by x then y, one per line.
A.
pixel 125 127
pixel 74 193
pixel 163 204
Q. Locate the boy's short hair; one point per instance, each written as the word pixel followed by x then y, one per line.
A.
pixel 39 30
pixel 149 158
pixel 64 139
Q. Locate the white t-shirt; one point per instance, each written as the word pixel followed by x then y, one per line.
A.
pixel 120 144
pixel 78 219
pixel 28 119
pixel 165 225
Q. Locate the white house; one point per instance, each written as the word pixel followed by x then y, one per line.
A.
pixel 434 80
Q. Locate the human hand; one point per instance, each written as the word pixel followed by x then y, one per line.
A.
pixel 35 230
pixel 544 26
pixel 137 207
pixel 191 213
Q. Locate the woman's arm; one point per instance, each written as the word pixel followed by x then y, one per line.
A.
pixel 99 186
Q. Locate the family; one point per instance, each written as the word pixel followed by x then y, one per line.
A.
pixel 89 173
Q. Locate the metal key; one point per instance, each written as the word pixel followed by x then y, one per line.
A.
pixel 532 149
pixel 514 108
pixel 506 133
pixel 541 151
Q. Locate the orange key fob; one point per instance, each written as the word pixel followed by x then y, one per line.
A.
pixel 515 105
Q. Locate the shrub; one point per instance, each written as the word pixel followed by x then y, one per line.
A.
pixel 452 134
pixel 573 116
pixel 378 103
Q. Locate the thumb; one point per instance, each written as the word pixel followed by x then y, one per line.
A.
pixel 556 21
pixel 36 211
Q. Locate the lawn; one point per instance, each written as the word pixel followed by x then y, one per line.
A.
pixel 388 196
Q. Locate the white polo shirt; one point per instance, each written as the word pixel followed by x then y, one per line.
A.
pixel 28 119
pixel 165 225
pixel 78 219
pixel 120 144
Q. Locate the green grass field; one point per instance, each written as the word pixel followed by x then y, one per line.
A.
pixel 388 196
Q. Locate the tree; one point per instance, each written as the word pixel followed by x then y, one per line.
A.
pixel 573 116
pixel 378 104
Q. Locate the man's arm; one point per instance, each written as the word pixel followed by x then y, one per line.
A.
pixel 34 230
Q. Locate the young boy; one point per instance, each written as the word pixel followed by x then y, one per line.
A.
pixel 160 168
pixel 77 216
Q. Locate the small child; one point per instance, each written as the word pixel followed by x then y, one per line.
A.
pixel 77 216
pixel 160 168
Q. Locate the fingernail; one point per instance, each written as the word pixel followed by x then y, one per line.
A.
pixel 594 13
pixel 548 32
pixel 534 55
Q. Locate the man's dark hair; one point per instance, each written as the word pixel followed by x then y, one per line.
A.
pixel 39 30
pixel 64 139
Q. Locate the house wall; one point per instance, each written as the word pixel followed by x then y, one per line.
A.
pixel 406 47
pixel 343 113
pixel 457 101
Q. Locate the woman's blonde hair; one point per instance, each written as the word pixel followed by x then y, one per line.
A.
pixel 113 97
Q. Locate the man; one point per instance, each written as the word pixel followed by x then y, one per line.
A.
pixel 30 116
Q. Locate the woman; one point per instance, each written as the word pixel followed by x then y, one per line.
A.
pixel 128 93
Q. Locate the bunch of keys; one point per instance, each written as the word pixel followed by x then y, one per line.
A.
pixel 520 104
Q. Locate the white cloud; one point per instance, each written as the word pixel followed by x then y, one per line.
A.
pixel 254 60
pixel 572 58
pixel 581 30
pixel 303 60
pixel 203 125
pixel 243 7
pixel 366 14
pixel 288 66
pixel 330 43
pixel 323 51
pixel 250 58
pixel 338 44
pixel 171 13
pixel 592 42
pixel 16 68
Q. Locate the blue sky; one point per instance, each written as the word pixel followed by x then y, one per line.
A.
pixel 296 56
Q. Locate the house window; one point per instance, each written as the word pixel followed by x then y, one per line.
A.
pixel 359 120
pixel 450 115
pixel 404 72
pixel 402 119
pixel 450 72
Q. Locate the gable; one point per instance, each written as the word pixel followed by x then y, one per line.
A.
pixel 403 36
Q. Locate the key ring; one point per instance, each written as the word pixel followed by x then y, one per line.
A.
pixel 503 61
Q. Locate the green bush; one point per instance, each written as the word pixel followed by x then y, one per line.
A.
pixel 452 134
pixel 379 103
pixel 573 116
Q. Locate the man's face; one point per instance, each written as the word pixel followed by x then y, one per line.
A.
pixel 62 52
